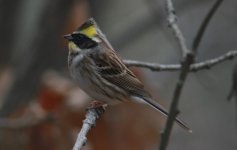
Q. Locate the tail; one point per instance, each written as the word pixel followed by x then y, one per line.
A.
pixel 160 108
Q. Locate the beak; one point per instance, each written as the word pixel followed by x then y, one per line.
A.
pixel 68 36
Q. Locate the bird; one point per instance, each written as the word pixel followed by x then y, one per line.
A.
pixel 101 73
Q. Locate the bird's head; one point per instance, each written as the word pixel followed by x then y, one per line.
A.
pixel 86 37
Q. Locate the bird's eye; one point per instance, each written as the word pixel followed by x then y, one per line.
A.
pixel 83 41
pixel 80 36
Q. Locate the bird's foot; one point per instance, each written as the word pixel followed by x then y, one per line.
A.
pixel 96 104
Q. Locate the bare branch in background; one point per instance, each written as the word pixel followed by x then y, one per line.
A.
pixel 173 112
pixel 172 18
pixel 204 25
pixel 152 66
pixel 212 62
pixel 177 67
pixel 88 123
pixel 185 65
pixel 233 90
pixel 188 57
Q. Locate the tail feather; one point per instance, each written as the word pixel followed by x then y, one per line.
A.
pixel 160 108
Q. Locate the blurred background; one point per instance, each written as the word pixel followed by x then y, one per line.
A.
pixel 41 108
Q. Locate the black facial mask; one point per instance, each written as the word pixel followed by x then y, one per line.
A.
pixel 82 41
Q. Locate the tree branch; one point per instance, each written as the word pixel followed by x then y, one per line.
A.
pixel 172 19
pixel 212 62
pixel 204 25
pixel 188 57
pixel 88 123
pixel 152 66
pixel 207 64
pixel 173 112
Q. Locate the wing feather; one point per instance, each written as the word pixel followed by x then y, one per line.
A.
pixel 111 68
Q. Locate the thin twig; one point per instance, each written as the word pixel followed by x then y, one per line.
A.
pixel 212 62
pixel 173 112
pixel 204 25
pixel 173 25
pixel 88 123
pixel 207 64
pixel 188 58
pixel 152 66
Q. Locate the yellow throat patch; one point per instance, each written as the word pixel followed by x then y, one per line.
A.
pixel 72 46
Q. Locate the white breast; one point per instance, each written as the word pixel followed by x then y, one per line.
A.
pixel 75 71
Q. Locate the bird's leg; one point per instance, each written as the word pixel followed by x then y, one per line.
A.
pixel 96 104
